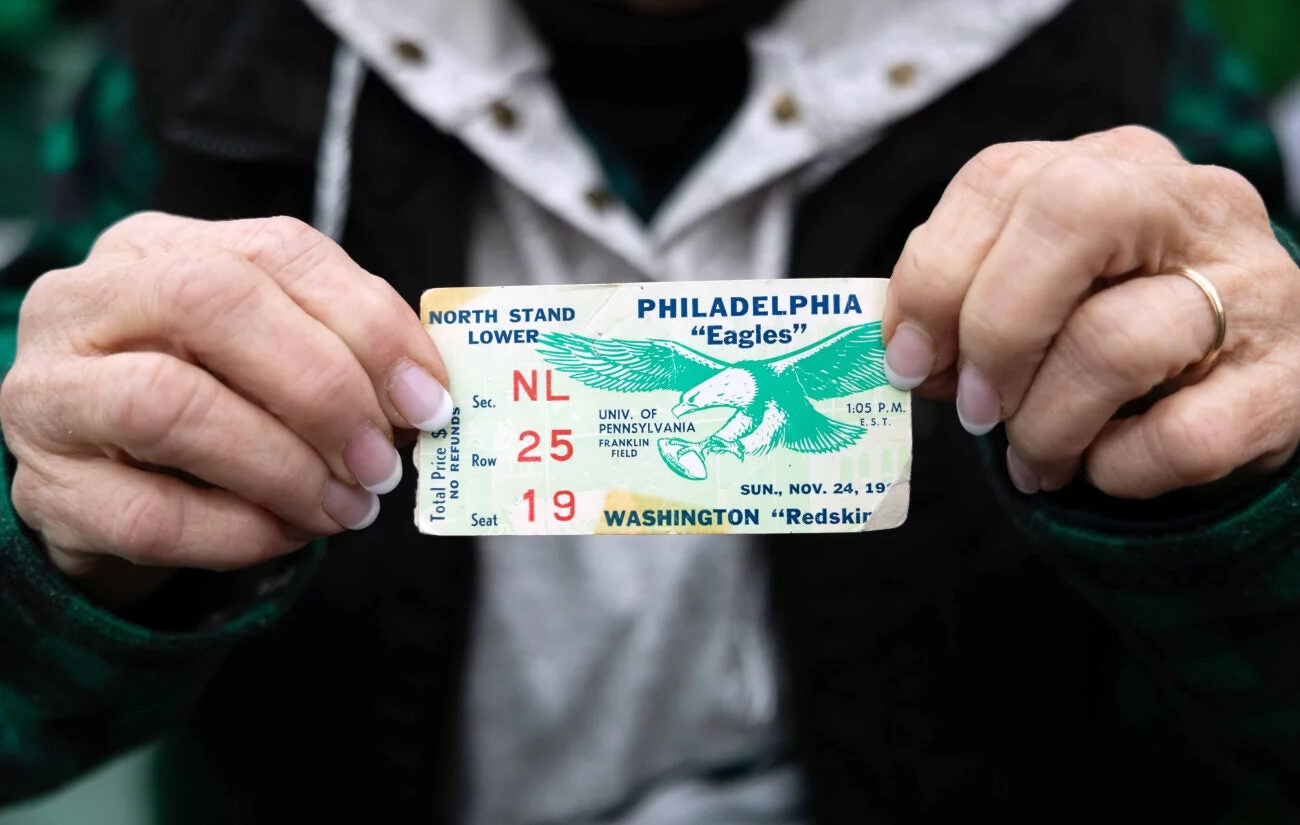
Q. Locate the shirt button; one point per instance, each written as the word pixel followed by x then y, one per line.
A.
pixel 598 198
pixel 902 75
pixel 785 109
pixel 503 115
pixel 409 52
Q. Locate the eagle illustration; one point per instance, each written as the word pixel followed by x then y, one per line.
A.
pixel 772 398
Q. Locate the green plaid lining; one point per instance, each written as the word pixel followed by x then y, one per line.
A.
pixel 81 683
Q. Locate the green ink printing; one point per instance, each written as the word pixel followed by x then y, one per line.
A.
pixel 772 398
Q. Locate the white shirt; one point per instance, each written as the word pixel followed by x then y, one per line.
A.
pixel 603 666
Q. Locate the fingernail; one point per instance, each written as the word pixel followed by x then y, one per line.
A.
pixel 909 357
pixel 351 507
pixel 978 406
pixel 1022 478
pixel 420 398
pixel 374 461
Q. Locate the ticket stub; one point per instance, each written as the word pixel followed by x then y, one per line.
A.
pixel 718 407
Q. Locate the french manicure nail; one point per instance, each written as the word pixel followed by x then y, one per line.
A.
pixel 1022 478
pixel 352 507
pixel 374 461
pixel 420 398
pixel 978 406
pixel 909 357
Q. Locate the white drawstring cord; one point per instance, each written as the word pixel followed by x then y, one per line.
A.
pixel 334 159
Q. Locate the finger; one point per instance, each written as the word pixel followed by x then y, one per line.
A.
pixel 364 310
pixel 375 323
pixel 942 256
pixel 1117 346
pixel 104 507
pixel 1137 144
pixel 1081 218
pixel 1199 434
pixel 165 412
pixel 139 235
pixel 221 311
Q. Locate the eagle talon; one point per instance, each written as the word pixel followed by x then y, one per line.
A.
pixel 713 444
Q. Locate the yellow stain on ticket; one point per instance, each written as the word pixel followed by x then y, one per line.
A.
pixel 721 407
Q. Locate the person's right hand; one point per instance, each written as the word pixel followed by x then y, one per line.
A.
pixel 209 395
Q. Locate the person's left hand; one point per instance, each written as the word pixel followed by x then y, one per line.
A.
pixel 994 300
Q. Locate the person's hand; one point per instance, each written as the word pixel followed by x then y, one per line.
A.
pixel 209 395
pixel 995 300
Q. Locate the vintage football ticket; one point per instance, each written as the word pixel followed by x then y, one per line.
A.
pixel 719 407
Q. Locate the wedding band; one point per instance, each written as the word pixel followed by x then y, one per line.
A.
pixel 1220 317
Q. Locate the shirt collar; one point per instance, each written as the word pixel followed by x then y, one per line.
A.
pixel 848 67
pixel 464 55
pixel 475 53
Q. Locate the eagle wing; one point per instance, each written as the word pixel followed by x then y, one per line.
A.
pixel 628 366
pixel 843 363
pixel 815 433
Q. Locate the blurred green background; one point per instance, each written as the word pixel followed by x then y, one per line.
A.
pixel 47 50
pixel 1266 31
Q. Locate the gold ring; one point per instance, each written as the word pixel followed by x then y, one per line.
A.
pixel 1220 317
